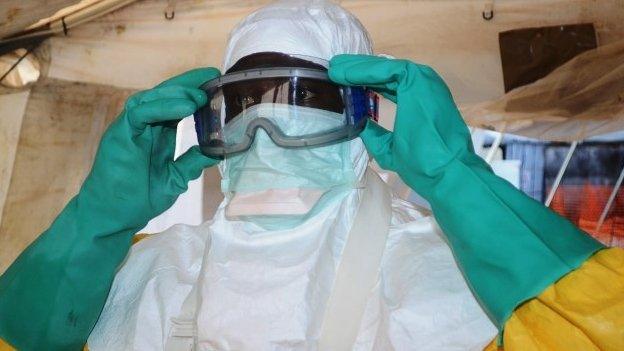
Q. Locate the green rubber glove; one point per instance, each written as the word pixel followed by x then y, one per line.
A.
pixel 52 295
pixel 509 247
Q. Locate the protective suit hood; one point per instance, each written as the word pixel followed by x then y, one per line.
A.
pixel 318 29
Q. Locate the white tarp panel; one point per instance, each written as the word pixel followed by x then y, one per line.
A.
pixel 12 107
pixel 137 47
pixel 582 98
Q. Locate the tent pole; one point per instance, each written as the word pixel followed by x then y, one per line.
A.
pixel 562 170
pixel 16 63
pixel 607 207
pixel 63 24
pixel 499 138
pixel 87 14
pixel 494 147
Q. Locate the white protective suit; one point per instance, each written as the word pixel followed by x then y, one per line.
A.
pixel 262 289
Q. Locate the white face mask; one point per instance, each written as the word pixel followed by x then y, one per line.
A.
pixel 273 202
pixel 271 180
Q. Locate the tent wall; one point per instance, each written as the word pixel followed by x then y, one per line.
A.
pixel 12 108
pixel 60 131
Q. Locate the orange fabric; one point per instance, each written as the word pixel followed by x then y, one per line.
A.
pixel 4 346
pixel 582 311
pixel 139 237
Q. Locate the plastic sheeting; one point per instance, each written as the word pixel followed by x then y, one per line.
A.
pixel 528 54
pixel 582 98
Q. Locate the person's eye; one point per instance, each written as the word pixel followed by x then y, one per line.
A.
pixel 305 95
pixel 244 101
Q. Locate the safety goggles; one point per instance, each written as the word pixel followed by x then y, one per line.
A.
pixel 296 107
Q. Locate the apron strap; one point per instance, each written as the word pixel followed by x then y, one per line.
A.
pixel 359 267
pixel 183 333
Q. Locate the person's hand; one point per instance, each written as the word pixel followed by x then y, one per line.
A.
pixel 429 132
pixel 509 246
pixel 134 173
pixel 52 295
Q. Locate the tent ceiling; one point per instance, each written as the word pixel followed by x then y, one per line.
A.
pixel 15 15
pixel 449 35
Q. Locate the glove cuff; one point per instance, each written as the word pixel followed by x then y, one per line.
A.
pixel 509 246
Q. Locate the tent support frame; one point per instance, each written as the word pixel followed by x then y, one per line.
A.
pixel 562 170
pixel 610 201
pixel 495 144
